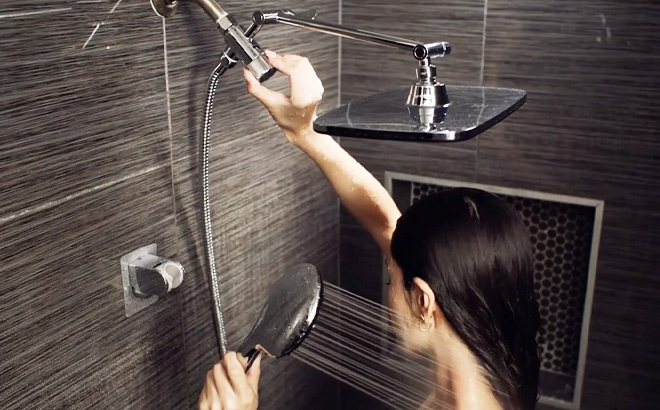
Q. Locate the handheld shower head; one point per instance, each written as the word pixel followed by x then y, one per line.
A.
pixel 288 315
pixel 242 47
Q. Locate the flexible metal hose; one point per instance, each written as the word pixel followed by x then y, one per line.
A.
pixel 206 194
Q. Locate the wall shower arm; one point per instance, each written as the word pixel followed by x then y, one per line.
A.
pixel 306 20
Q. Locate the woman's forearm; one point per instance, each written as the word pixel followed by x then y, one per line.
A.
pixel 361 193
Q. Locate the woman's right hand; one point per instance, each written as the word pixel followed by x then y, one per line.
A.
pixel 296 112
pixel 228 387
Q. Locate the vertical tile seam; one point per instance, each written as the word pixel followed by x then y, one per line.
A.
pixel 169 119
pixel 481 81
pixel 339 51
pixel 174 210
pixel 337 201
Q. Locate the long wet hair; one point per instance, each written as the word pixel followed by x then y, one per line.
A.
pixel 474 251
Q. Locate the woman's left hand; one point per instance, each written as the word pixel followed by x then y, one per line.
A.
pixel 229 388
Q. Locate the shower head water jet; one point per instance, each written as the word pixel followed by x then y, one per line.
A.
pixel 288 315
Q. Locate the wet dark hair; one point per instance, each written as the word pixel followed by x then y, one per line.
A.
pixel 474 251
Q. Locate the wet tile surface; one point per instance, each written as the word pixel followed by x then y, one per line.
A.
pixel 90 171
pixel 271 206
pixel 588 129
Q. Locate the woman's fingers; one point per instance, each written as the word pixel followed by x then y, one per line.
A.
pixel 224 389
pixel 228 387
pixel 238 379
pixel 269 98
pixel 287 64
pixel 306 88
pixel 254 373
pixel 212 394
pixel 202 403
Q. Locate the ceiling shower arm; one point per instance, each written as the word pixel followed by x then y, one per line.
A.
pixel 306 20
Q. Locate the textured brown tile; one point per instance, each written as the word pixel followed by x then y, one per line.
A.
pixel 64 339
pixel 271 206
pixel 85 162
pixel 589 129
pixel 368 68
pixel 589 124
pixel 78 113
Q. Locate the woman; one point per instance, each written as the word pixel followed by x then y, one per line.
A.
pixel 460 266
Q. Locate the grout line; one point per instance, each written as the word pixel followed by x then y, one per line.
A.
pixel 483 45
pixel 339 51
pixel 338 201
pixel 481 82
pixel 71 197
pixel 33 13
pixel 173 193
pixel 115 7
pixel 169 116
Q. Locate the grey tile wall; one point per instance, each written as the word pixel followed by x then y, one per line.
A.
pixel 589 129
pixel 90 170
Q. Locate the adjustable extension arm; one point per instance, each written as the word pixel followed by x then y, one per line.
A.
pixel 306 20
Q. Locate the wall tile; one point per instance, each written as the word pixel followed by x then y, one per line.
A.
pixel 590 104
pixel 64 339
pixel 589 129
pixel 87 154
pixel 368 68
pixel 271 206
pixel 82 97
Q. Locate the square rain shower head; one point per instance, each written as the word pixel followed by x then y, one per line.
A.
pixel 386 115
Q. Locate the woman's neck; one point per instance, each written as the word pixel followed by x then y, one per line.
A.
pixel 460 380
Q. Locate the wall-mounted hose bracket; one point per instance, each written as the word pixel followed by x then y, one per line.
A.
pixel 147 277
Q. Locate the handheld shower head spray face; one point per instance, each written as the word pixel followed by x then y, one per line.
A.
pixel 288 315
pixel 240 46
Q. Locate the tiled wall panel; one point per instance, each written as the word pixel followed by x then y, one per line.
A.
pixel 271 206
pixel 90 170
pixel 64 341
pixel 85 178
pixel 589 129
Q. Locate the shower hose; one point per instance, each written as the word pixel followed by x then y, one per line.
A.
pixel 206 194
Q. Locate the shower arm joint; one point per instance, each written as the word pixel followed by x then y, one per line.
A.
pixel 420 51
